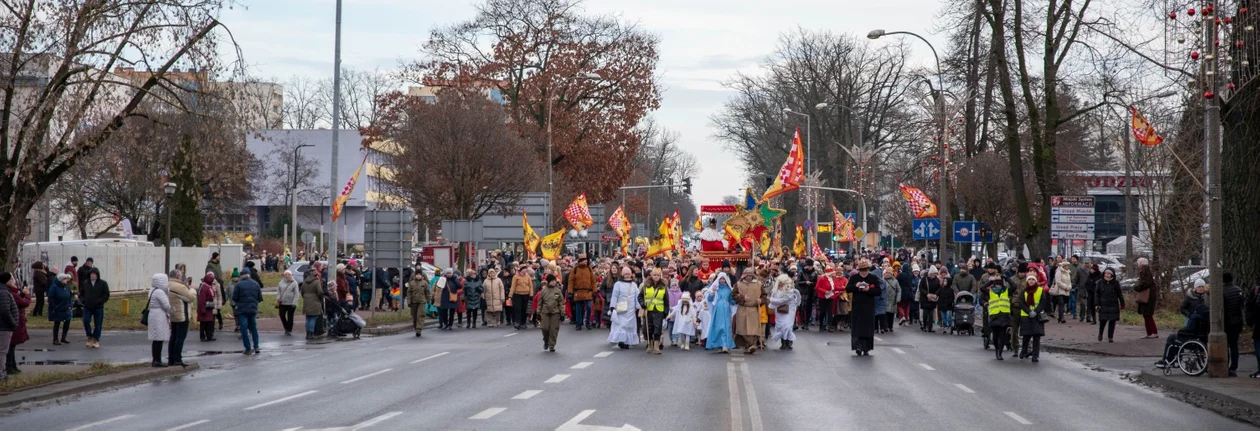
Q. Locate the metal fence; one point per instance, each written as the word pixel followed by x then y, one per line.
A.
pixel 127 268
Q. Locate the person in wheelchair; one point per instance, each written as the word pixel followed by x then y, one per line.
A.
pixel 1197 328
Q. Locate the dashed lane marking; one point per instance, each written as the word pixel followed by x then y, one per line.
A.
pixel 964 388
pixel 367 376
pixel 509 335
pixel 488 413
pixel 603 354
pixel 98 423
pixel 417 361
pixel 274 402
pixel 189 425
pixel 899 351
pixel 581 365
pixel 374 421
pixel 557 378
pixel 927 367
pixel 527 394
pixel 1018 418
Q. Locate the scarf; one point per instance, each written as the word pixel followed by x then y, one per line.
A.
pixel 1029 299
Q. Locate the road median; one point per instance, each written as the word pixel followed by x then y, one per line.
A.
pixel 95 378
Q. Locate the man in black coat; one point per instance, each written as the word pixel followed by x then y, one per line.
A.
pixel 1235 301
pixel 93 293
pixel 863 288
pixel 805 285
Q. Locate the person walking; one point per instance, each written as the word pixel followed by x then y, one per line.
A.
pixel 93 294
pixel 891 292
pixel 1060 289
pixel 312 300
pixel 784 299
pixel 493 297
pixel 60 303
pixel 684 317
pixel 928 287
pixel 159 307
pixel 447 299
pixel 1147 297
pixel 522 291
pixel 1235 302
pixel 418 298
pixel 550 309
pixel 1110 302
pixel 183 301
pixel 1033 313
pixel 1088 295
pixel 582 284
pixel 653 306
pixel 287 294
pixel 10 317
pixel 247 296
pixel 750 295
pixel 999 307
pixel 806 282
pixel 945 300
pixel 864 288
pixel 40 280
pixel 473 290
pixel 624 304
pixel 205 308
pixel 213 266
pixel 721 304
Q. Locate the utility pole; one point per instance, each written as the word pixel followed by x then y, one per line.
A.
pixel 1128 206
pixel 1218 361
pixel 336 128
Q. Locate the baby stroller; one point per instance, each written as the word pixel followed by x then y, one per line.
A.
pixel 964 314
pixel 343 321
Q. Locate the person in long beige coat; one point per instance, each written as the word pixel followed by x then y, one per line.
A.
pixel 748 327
pixel 493 296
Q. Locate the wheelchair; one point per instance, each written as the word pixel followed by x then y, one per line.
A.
pixel 1190 356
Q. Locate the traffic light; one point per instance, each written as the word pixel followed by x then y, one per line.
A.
pixel 687 185
pixel 769 182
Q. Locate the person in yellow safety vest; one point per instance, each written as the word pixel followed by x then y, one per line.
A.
pixel 998 297
pixel 1032 309
pixel 653 301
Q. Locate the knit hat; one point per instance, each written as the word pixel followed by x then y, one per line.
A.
pixel 932 270
pixel 245 271
pixel 1142 261
pixel 1197 283
pixel 5 277
pixel 236 273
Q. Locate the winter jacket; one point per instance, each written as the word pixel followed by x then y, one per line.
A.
pixel 474 289
pixel 182 299
pixel 81 273
pixel 582 283
pixel 418 292
pixel 205 294
pixel 60 302
pixel 945 296
pixel 1062 282
pixel 246 297
pixel 551 301
pixel 1191 303
pixel 449 296
pixel 39 281
pixel 1146 283
pixel 312 294
pixel 288 292
pixel 214 267
pixel 93 294
pixel 805 283
pixel 1110 300
pixel 892 291
pixel 492 294
pixel 965 282
pixel 1030 325
pixel 9 314
pixel 1080 276
pixel 522 285
pixel 928 286
pixel 1234 303
pixel 159 306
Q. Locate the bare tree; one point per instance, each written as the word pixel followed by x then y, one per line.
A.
pixel 304 104
pixel 60 101
pixel 359 91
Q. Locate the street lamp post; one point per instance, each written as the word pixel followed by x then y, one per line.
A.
pixel 808 153
pixel 169 188
pixel 550 163
pixel 1128 182
pixel 322 207
pixel 293 197
pixel 332 160
pixel 860 148
pixel 1218 362
pixel 944 146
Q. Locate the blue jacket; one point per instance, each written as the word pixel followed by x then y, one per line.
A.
pixel 246 296
pixel 60 300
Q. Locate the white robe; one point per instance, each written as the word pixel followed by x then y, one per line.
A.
pixel 625 329
pixel 704 313
pixel 684 323
pixel 783 322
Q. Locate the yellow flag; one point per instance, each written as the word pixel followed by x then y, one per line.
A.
pixel 551 245
pixel 798 246
pixel 531 237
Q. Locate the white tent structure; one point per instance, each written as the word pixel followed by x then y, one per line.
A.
pixel 1141 246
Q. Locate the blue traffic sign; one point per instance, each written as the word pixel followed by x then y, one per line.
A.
pixel 851 216
pixel 966 231
pixel 926 229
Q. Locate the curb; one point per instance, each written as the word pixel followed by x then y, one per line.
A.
pixel 92 384
pixel 1226 405
pixel 397 328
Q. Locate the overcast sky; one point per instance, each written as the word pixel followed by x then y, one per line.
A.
pixel 702 43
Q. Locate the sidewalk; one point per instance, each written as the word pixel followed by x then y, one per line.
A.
pixel 53 391
pixel 1237 398
pixel 1082 338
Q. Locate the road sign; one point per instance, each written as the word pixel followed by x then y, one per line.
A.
pixel 1072 227
pixel 308 238
pixel 824 227
pixel 926 229
pixel 1071 219
pixel 1071 210
pixel 1072 201
pixel 1086 236
pixel 859 234
pixel 851 216
pixel 966 231
pixel 985 232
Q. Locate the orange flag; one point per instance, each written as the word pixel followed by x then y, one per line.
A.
pixel 792 173
pixel 578 214
pixel 1143 131
pixel 920 205
pixel 345 192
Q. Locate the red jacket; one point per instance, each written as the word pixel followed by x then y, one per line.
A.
pixel 826 285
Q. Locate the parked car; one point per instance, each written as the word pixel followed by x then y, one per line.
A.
pixel 1105 261
pixel 1183 277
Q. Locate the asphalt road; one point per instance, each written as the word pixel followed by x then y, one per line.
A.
pixel 490 379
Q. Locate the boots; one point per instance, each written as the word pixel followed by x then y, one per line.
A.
pixel 783 344
pixel 789 344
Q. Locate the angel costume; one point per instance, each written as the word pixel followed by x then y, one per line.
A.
pixel 704 313
pixel 784 293
pixel 721 306
pixel 625 328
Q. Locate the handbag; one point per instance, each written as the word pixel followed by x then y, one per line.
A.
pixel 622 306
pixel 782 309
pixel 144 314
pixel 1144 296
pixel 508 302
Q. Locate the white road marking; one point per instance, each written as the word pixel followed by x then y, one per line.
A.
pixel 737 359
pixel 417 361
pixel 603 354
pixel 509 335
pixel 189 425
pixel 274 402
pixel 926 367
pixel 581 365
pixel 488 413
pixel 754 412
pixel 575 424
pixel 557 378
pixel 527 394
pixel 899 351
pixel 964 388
pixel 737 416
pixel 879 339
pixel 1018 418
pixel 106 421
pixel 375 420
pixel 367 375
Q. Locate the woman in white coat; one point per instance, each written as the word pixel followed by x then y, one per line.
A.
pixel 683 315
pixel 783 300
pixel 622 305
pixel 159 317
pixel 704 313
